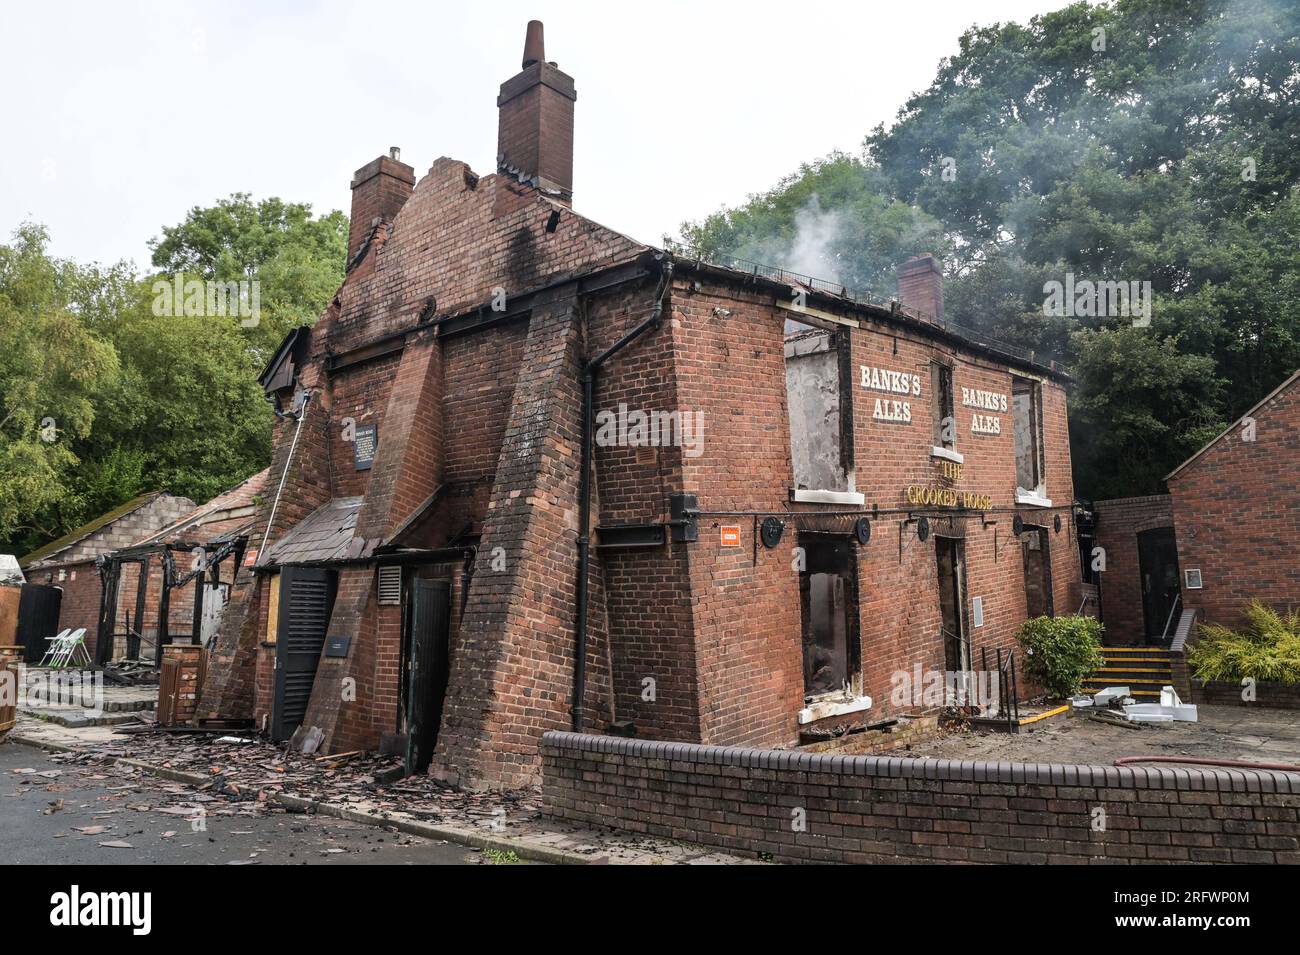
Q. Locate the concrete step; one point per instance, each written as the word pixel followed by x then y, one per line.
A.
pixel 74 719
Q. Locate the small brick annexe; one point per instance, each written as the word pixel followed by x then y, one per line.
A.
pixel 1233 509
pixel 470 308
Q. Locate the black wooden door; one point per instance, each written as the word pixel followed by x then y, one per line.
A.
pixel 38 619
pixel 1158 564
pixel 426 667
pixel 306 598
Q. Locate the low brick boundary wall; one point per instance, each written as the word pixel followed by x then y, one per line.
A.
pixel 1282 696
pixel 872 809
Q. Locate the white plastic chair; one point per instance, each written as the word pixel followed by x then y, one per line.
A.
pixel 55 644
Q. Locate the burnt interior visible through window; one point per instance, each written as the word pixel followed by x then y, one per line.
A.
pixel 828 598
pixel 950 556
pixel 1028 427
pixel 819 403
pixel 1038 572
pixel 945 427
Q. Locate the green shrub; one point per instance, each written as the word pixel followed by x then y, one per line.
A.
pixel 1061 652
pixel 1268 649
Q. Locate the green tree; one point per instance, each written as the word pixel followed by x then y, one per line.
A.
pixel 1142 140
pixel 298 259
pixel 143 401
pixel 52 367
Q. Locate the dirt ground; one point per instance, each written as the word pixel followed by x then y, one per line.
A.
pixel 1223 732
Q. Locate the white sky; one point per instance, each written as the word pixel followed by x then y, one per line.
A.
pixel 119 117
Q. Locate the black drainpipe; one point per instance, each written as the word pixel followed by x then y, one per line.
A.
pixel 584 493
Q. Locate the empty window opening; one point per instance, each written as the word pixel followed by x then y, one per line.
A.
pixel 828 598
pixel 1026 410
pixel 950 556
pixel 945 420
pixel 1038 572
pixel 819 402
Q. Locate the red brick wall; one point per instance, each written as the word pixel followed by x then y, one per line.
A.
pixel 746 613
pixel 1237 516
pixel 1119 522
pixel 865 809
pixel 79 606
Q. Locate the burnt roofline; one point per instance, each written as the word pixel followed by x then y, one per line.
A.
pixel 893 313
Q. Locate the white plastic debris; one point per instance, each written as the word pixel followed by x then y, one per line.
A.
pixel 1170 709
pixel 1147 713
pixel 1110 693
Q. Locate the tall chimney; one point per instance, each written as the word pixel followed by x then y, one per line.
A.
pixel 920 285
pixel 535 125
pixel 379 190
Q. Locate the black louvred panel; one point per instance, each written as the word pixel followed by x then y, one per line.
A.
pixel 306 599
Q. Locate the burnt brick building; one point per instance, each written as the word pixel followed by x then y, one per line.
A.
pixel 69 564
pixel 531 474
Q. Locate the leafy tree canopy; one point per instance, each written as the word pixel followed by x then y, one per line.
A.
pixel 104 398
pixel 1141 140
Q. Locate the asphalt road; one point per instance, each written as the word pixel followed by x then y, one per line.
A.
pixel 42 813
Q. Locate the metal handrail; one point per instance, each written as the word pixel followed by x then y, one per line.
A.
pixel 1173 609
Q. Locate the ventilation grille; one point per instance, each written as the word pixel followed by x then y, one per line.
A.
pixel 390 586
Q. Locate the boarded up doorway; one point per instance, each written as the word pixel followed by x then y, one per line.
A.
pixel 306 599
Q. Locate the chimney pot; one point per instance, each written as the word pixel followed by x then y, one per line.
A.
pixel 379 190
pixel 395 153
pixel 535 123
pixel 534 44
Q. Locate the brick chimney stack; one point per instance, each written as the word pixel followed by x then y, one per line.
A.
pixel 535 127
pixel 920 285
pixel 379 190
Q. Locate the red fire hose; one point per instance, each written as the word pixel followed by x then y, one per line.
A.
pixel 1237 763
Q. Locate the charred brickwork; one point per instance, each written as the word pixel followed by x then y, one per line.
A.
pixel 431 443
pixel 70 562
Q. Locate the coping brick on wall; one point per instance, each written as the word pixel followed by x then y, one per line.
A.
pixel 890 809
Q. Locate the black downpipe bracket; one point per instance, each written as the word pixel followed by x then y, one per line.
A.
pixel 589 371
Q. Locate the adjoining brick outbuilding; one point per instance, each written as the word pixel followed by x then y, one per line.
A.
pixel 1139 587
pixel 167 587
pixel 69 563
pixel 1236 506
pixel 530 474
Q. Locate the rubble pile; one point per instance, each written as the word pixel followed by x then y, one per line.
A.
pixel 248 772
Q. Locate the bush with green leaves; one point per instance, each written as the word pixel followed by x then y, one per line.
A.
pixel 1061 652
pixel 1267 649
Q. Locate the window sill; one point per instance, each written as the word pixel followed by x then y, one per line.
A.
pixel 800 495
pixel 821 710
pixel 947 454
pixel 1032 499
